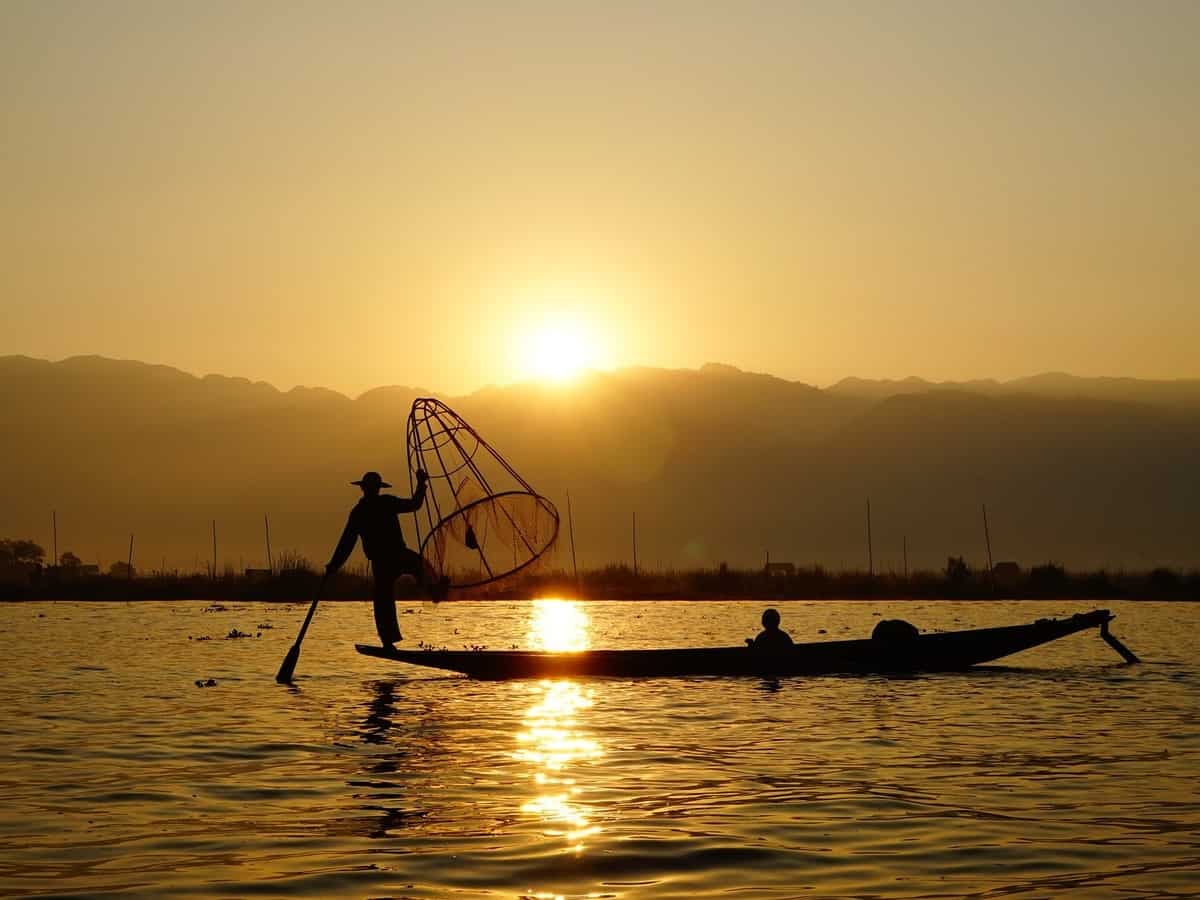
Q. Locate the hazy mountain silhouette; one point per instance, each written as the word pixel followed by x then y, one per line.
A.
pixel 719 464
pixel 1179 394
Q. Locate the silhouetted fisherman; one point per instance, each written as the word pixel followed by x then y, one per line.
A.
pixel 772 638
pixel 375 520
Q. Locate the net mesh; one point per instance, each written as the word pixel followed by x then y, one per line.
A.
pixel 481 522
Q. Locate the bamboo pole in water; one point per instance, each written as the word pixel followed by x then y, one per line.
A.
pixel 571 529
pixel 987 538
pixel 270 559
pixel 214 564
pixel 870 548
pixel 129 571
pixel 635 542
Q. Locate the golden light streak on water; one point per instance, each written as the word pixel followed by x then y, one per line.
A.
pixel 552 744
pixel 558 625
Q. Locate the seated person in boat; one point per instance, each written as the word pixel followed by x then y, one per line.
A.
pixel 772 637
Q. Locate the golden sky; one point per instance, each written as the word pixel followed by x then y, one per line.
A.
pixel 355 194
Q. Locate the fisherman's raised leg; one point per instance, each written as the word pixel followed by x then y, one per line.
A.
pixel 418 567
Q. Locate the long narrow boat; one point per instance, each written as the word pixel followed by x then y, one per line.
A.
pixel 935 652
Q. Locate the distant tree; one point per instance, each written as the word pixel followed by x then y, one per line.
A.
pixel 1164 581
pixel 121 569
pixel 1098 584
pixel 69 560
pixel 19 551
pixel 1050 577
pixel 957 570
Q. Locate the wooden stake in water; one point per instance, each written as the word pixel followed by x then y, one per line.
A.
pixel 270 560
pixel 906 557
pixel 870 548
pixel 635 543
pixel 987 540
pixel 54 528
pixel 129 571
pixel 571 529
pixel 214 566
pixel 987 537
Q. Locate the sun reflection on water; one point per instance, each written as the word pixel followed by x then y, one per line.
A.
pixel 552 744
pixel 558 626
pixel 551 741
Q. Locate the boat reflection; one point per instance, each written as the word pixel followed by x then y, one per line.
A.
pixel 552 742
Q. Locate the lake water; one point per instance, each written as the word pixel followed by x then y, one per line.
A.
pixel 1065 771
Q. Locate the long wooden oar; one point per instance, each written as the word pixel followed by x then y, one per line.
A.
pixel 288 668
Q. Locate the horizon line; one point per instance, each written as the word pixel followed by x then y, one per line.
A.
pixel 711 366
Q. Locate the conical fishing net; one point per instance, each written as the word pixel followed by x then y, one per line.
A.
pixel 481 521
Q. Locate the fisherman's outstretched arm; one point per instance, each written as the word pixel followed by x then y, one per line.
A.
pixel 406 504
pixel 345 546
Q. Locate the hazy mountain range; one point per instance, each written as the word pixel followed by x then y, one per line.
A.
pixel 719 464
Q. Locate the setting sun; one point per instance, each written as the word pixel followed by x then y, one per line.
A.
pixel 558 350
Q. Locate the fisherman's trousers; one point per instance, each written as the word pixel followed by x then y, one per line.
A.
pixel 405 562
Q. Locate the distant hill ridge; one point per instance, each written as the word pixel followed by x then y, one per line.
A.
pixel 1167 392
pixel 1177 393
pixel 720 464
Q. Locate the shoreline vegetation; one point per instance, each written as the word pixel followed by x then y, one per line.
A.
pixel 299 581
